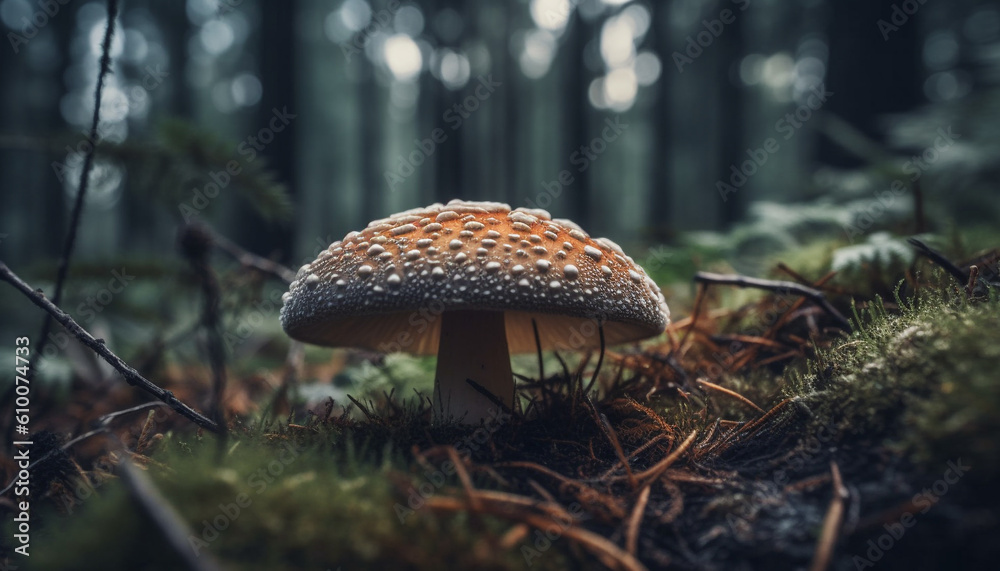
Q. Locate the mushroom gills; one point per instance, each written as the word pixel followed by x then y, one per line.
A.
pixel 473 345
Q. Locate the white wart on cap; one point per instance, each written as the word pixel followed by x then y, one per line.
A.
pixel 467 277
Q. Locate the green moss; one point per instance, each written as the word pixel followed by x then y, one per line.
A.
pixel 285 505
pixel 923 381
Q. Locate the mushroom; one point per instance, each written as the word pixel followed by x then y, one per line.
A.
pixel 466 280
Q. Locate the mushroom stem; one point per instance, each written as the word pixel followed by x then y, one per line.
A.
pixel 473 346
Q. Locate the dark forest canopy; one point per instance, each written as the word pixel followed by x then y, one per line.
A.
pixel 636 119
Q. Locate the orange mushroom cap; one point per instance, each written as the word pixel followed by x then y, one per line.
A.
pixel 381 288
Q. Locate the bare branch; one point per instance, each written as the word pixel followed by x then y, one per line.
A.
pixel 251 260
pixel 132 376
pixel 939 259
pixel 776 286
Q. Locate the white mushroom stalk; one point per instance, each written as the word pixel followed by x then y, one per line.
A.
pixel 465 280
pixel 473 347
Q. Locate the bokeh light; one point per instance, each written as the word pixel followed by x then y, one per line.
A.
pixel 620 88
pixel 409 20
pixel 552 15
pixel 216 36
pixel 246 90
pixel 14 12
pixel 402 57
pixel 452 68
pixel 647 68
pixel 355 14
pixel 538 51
pixel 617 46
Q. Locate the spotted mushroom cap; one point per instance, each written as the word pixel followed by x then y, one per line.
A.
pixel 384 288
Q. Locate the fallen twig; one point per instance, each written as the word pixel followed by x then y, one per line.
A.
pixel 582 489
pixel 251 260
pixel 939 259
pixel 131 376
pixel 463 476
pixel 695 313
pixel 602 422
pixel 606 551
pixel 654 472
pixel 831 523
pixel 632 532
pixel 646 446
pixel 970 287
pixel 776 286
pixel 731 393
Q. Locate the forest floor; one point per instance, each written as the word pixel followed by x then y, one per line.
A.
pixel 762 431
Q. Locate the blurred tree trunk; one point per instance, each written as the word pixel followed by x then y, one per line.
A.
pixel 509 180
pixel 370 127
pixel 661 157
pixel 869 75
pixel 176 29
pixel 450 155
pixel 278 74
pixel 575 105
pixel 48 200
pixel 448 158
pixel 428 119
pixel 730 123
